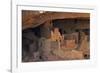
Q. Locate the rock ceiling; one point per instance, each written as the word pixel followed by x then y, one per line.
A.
pixel 35 18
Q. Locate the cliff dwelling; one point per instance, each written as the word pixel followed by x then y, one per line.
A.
pixel 55 36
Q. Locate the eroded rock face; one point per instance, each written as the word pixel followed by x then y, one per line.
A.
pixel 29 46
pixel 35 18
pixel 85 47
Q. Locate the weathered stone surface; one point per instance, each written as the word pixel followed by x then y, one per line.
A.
pixel 69 55
pixel 45 32
pixel 70 44
pixel 34 18
pixel 29 45
pixel 73 35
pixel 85 47
pixel 55 44
pixel 56 35
pixel 45 48
pixel 53 58
pixel 71 41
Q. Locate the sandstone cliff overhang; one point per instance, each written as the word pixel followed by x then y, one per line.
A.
pixel 35 18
